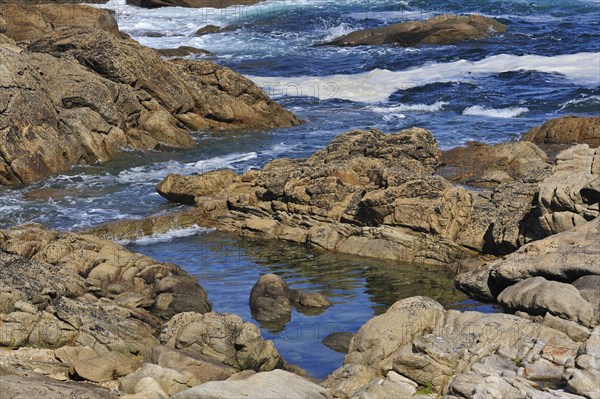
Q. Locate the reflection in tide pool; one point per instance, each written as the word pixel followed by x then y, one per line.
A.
pixel 359 288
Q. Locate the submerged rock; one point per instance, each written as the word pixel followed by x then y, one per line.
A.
pixel 338 341
pixel 443 29
pixel 567 130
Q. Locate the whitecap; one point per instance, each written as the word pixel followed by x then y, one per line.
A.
pixel 156 172
pixel 436 106
pixel 168 236
pixel 379 84
pixel 511 112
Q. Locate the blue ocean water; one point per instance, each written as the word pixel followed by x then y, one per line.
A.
pixel 546 65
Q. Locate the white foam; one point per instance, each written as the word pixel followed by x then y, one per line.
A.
pixel 168 235
pixel 511 112
pixel 378 84
pixel 158 171
pixel 592 101
pixel 436 106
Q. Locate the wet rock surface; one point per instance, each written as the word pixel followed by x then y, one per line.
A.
pixel 443 29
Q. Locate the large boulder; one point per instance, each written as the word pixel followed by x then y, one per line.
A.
pixel 223 337
pixel 567 130
pixel 272 384
pixel 443 29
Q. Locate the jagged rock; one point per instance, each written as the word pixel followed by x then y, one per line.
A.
pixel 223 337
pixel 26 22
pixel 571 194
pixel 115 93
pixel 563 257
pixel 584 376
pixel 458 354
pixel 272 384
pixel 366 193
pixel 191 3
pixel 484 165
pixel 567 130
pixel 443 29
pixel 338 341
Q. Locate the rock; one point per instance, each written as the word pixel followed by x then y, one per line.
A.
pixel 147 388
pixel 567 130
pixel 443 29
pixel 536 296
pixel 367 194
pixel 210 29
pixel 184 189
pixel 27 22
pixel 33 386
pixel 74 118
pixel 203 368
pixel 223 337
pixel 420 347
pixel 377 341
pixel 271 300
pixel 107 367
pixel 571 194
pixel 484 165
pixel 181 51
pixel 190 3
pixel 170 381
pixel 272 384
pixel 583 378
pixel 563 257
pixel 338 341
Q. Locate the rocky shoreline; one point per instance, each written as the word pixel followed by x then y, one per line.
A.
pixel 83 317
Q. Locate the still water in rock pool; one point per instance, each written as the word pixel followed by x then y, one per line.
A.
pixel 227 267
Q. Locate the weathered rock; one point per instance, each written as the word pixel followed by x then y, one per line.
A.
pixel 26 22
pixel 367 194
pixel 563 257
pixel 169 380
pixel 567 130
pixel 31 386
pixel 182 51
pixel 443 29
pixel 191 3
pixel 536 296
pixel 272 384
pixel 458 354
pixel 107 367
pixel 338 341
pixel 484 165
pixel 571 194
pixel 116 93
pixel 584 376
pixel 223 337
pixel 271 300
